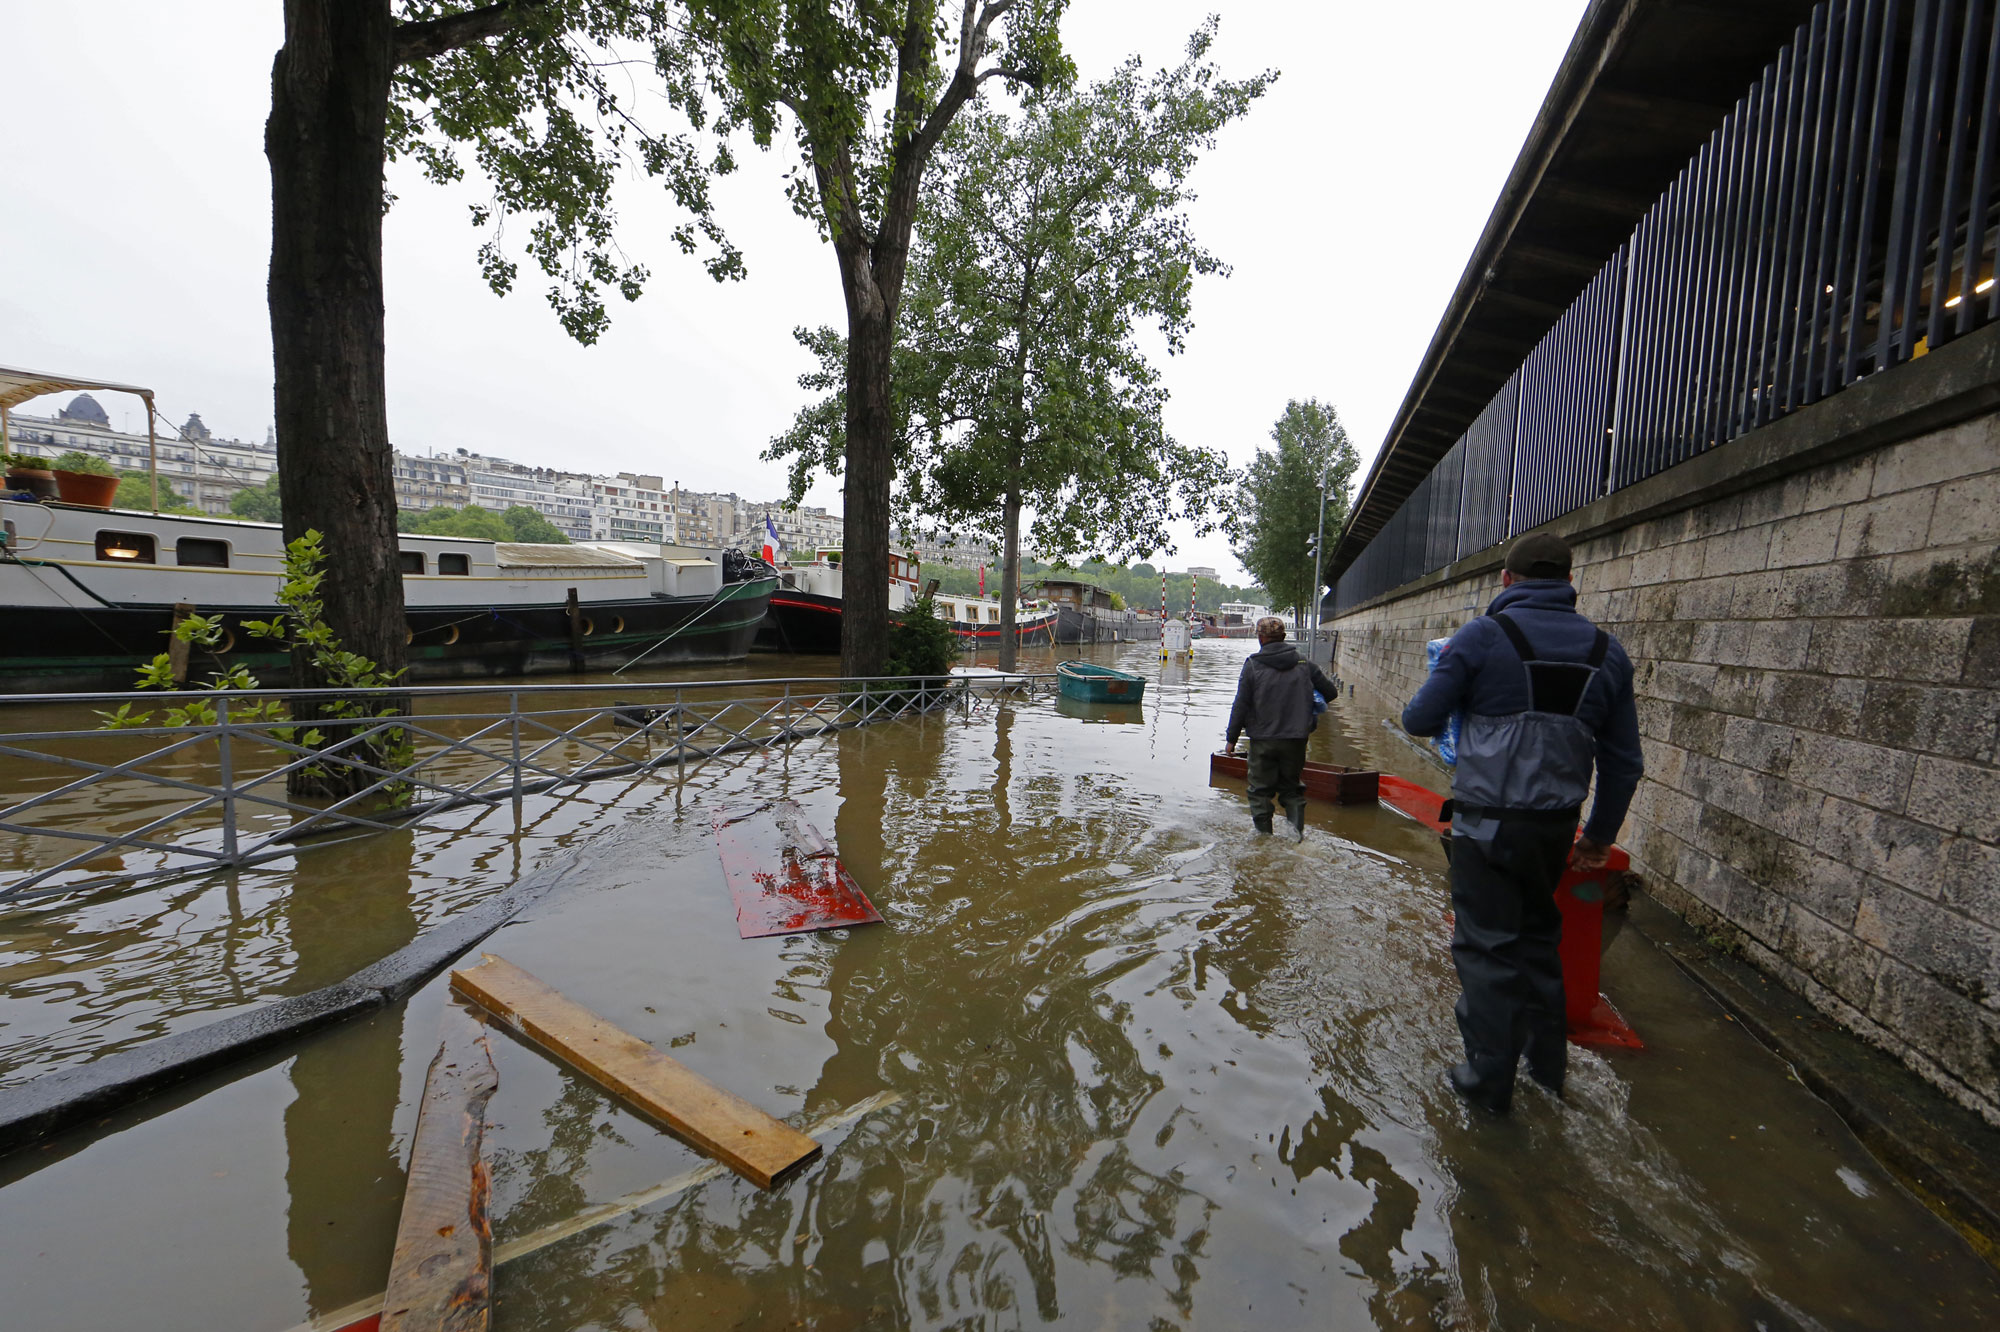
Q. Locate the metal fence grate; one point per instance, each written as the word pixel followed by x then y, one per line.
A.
pixel 1840 220
pixel 88 808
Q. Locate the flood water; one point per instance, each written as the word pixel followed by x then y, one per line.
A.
pixel 1112 1061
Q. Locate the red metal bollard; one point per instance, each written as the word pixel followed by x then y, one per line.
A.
pixel 1580 897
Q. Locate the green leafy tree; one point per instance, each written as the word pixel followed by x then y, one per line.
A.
pixel 135 491
pixel 1277 511
pixel 342 772
pixel 921 642
pixel 1139 586
pixel 526 524
pixel 1050 242
pixel 542 95
pixel 258 504
pixel 517 523
pixel 868 91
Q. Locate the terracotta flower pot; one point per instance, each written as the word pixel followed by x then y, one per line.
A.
pixel 88 489
pixel 37 481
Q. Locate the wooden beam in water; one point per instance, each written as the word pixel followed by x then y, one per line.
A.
pixel 753 1144
pixel 441 1277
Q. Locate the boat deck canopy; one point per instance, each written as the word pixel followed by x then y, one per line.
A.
pixel 17 386
pixel 527 555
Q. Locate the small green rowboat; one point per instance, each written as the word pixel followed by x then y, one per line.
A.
pixel 1086 683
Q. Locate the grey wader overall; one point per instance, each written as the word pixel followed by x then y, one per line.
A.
pixel 1519 790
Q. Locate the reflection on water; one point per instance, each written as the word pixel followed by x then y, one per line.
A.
pixel 1154 1072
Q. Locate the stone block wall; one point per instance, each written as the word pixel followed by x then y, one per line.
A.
pixel 1818 678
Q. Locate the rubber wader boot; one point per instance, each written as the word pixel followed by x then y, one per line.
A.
pixel 1298 814
pixel 1466 1083
pixel 1262 822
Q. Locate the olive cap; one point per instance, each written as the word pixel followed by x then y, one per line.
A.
pixel 1539 555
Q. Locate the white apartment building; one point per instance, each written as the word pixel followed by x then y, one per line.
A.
pixel 564 498
pixel 194 464
pixel 631 507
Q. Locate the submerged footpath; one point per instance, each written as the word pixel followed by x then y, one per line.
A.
pixel 1109 1057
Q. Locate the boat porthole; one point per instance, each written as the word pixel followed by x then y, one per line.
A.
pixel 409 637
pixel 589 627
pixel 228 643
pixel 452 637
pixel 617 624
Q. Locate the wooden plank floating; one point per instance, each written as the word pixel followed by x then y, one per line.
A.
pixel 727 1127
pixel 441 1277
pixel 783 876
pixel 1324 781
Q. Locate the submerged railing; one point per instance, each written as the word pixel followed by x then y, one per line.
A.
pixel 212 795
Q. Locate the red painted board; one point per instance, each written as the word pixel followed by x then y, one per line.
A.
pixel 1324 781
pixel 1590 1017
pixel 784 877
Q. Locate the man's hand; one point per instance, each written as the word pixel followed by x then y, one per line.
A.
pixel 1588 856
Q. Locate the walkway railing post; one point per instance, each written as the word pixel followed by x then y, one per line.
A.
pixel 514 719
pixel 226 777
pixel 680 737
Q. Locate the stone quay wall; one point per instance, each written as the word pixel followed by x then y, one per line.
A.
pixel 1813 611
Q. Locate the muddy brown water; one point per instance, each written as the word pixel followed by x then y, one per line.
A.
pixel 1133 1067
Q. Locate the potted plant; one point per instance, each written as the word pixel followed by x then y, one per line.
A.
pixel 85 479
pixel 29 473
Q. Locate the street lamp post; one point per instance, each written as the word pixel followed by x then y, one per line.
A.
pixel 1319 540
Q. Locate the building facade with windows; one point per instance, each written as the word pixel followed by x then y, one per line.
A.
pixel 194 464
pixel 564 498
pixel 430 481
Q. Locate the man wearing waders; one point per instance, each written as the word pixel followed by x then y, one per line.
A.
pixel 1544 693
pixel 1274 703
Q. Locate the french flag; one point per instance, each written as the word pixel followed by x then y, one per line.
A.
pixel 770 540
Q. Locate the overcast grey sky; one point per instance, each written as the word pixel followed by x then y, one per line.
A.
pixel 134 239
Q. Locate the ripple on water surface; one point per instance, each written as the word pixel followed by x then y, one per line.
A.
pixel 1147 1071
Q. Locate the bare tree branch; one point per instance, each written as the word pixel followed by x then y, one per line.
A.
pixel 421 41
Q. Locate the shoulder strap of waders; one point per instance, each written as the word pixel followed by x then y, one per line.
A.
pixel 1598 648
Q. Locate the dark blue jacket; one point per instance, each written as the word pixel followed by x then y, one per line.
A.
pixel 1481 673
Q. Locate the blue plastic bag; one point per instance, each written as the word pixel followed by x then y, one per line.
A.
pixel 1445 741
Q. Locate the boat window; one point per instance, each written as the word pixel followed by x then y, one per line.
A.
pixel 132 547
pixel 454 564
pixel 993 614
pixel 410 561
pixel 202 553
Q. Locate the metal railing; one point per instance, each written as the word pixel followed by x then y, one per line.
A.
pixel 212 795
pixel 1839 221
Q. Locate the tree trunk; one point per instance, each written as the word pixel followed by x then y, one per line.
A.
pixel 864 611
pixel 329 103
pixel 1010 575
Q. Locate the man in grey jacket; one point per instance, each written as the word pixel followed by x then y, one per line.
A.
pixel 1274 703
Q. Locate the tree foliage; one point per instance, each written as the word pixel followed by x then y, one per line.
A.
pixel 1277 510
pixel 135 491
pixel 867 91
pixel 258 504
pixel 1052 242
pixel 517 523
pixel 547 106
pixel 1139 585
pixel 921 642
